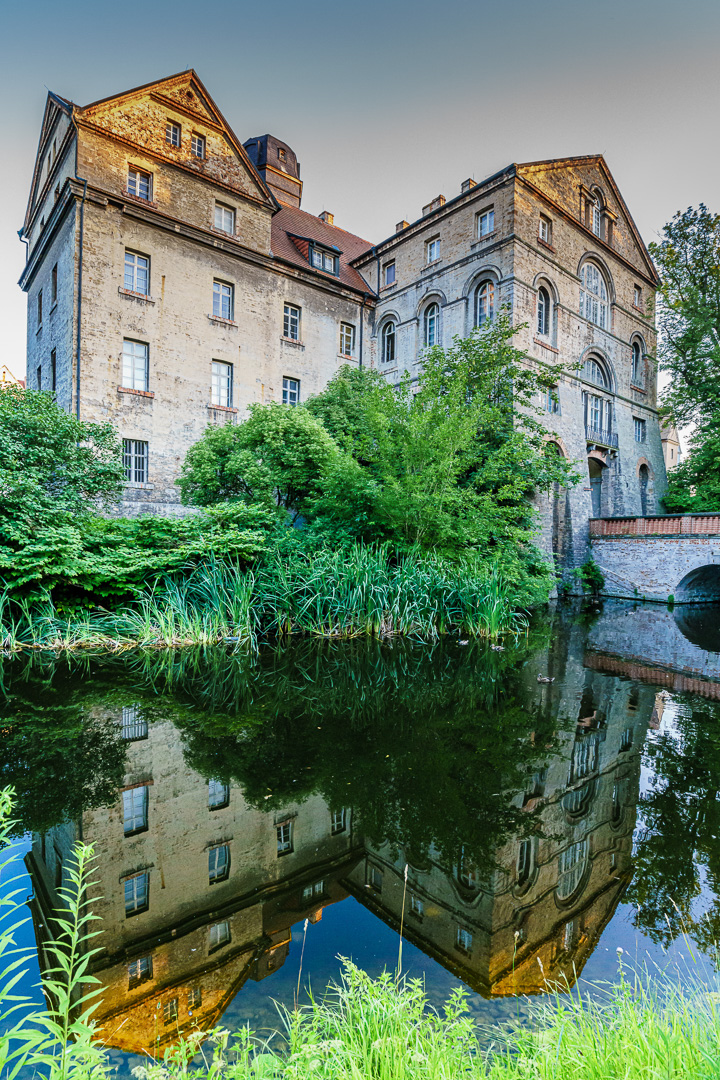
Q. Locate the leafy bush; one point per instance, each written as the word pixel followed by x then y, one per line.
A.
pixel 591 577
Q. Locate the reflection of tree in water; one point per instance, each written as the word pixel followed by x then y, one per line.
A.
pixel 60 759
pixel 680 843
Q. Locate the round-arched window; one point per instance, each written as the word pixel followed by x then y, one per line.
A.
pixel 543 312
pixel 571 869
pixel 637 356
pixel 484 303
pixel 593 296
pixel 432 325
pixel 596 215
pixel 388 342
pixel 594 371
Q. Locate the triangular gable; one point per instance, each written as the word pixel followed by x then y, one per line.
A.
pixel 54 107
pixel 559 179
pixel 126 116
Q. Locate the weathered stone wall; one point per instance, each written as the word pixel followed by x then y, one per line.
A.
pixel 659 567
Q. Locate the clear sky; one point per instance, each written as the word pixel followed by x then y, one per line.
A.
pixel 389 102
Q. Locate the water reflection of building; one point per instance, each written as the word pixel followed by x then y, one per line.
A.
pixel 538 914
pixel 196 889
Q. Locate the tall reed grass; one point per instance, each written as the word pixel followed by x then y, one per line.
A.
pixel 368 591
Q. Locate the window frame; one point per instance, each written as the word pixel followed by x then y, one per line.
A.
pixel 292 320
pixel 53 286
pixel 133 814
pixel 135 365
pixel 135 179
pixel 389 273
pixel 637 297
pixel 432 250
pixel 198 140
pixel 53 370
pixel 347 339
pixel 223 300
pixel 544 312
pixel 225 790
pixel 139 905
pixel 488 288
pixel 463 940
pixel 546 224
pixel 173 129
pixel 136 271
pixel 640 428
pixel 218 863
pixel 133 726
pixel 221 940
pixel 636 368
pixel 323 259
pixel 388 342
pixel 222 209
pixel 143 971
pixel 39 308
pixel 221 384
pixel 431 325
pixel 284 846
pixel 288 391
pixel 594 305
pixel 485 217
pixel 592 363
pixel 131 458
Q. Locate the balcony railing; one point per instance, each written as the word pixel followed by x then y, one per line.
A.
pixel 602 438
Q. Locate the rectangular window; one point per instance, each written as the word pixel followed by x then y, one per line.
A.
pixel 637 296
pixel 329 263
pixel 137 894
pixel 417 907
pixel 218 863
pixel 389 273
pixel 170 1011
pixel 432 250
pixel 194 998
pixel 134 726
pixel 311 892
pixel 39 309
pixel 139 184
pixel 137 273
pixel 219 935
pixel 552 400
pixel 135 365
pixel 224 219
pixel 338 821
pixel 38 376
pixel 284 837
pixel 627 739
pixel 486 223
pixel 218 795
pixel 53 285
pixel 135 810
pixel 463 939
pixel 317 259
pixel 291 391
pixel 347 339
pixel 197 146
pixel 135 460
pixel 640 430
pixel 172 133
pixel 222 384
pixel 140 971
pixel 222 300
pixel 291 322
pixel 53 370
pixel 323 260
pixel 545 229
pixel 375 878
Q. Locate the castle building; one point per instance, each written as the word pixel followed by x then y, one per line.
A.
pixel 173 280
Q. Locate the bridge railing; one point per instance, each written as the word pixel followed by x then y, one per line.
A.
pixel 659 525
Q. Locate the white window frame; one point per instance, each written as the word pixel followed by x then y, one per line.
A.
pixel 544 229
pixel 637 296
pixel 347 339
pixel 290 391
pixel 284 835
pixel 224 219
pixel 136 275
pixel 388 338
pixel 431 322
pixel 170 1011
pixel 292 317
pixel 221 384
pixel 312 892
pixel 593 296
pixel 486 222
pixel 135 364
pixel 338 821
pixel 484 302
pixel 139 181
pixel 135 809
pixel 432 250
pixel 133 725
pixel 389 273
pixel 173 134
pixel 596 216
pixel 463 940
pixel 223 300
pixel 417 907
pixel 219 935
pixel 595 373
pixel 640 426
pixel 218 794
pixel 137 893
pixel 544 310
pixel 218 863
pixel 198 143
pixel 140 971
pixel 136 460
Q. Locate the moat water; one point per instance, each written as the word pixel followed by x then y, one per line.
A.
pixel 520 813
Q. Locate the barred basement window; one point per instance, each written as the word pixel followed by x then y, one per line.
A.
pixel 140 971
pixel 291 322
pixel 139 184
pixel 133 725
pixel 137 894
pixel 135 461
pixel 218 795
pixel 172 134
pixel 135 365
pixel 135 810
pixel 218 863
pixel 222 384
pixel 137 273
pixel 291 391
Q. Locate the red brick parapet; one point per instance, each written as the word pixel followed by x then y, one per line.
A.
pixel 669 525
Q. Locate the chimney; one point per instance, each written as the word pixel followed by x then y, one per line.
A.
pixel 437 202
pixel 401 225
pixel 278 166
pixel 466 185
pixel 327 217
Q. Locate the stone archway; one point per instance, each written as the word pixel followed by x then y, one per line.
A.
pixel 646 483
pixel 700 586
pixel 561 521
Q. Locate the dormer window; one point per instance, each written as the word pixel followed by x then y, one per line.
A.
pixel 324 260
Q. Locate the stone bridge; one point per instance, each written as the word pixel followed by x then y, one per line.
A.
pixel 675 557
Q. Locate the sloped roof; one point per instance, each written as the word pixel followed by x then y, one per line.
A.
pixel 290 222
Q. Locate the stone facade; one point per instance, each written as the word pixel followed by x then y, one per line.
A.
pixel 524 239
pixel 264 302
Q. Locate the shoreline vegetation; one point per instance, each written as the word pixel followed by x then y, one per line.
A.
pixel 645 1027
pixel 365 591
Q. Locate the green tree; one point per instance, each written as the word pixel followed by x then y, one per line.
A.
pixel 55 470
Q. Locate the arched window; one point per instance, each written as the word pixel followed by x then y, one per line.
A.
pixel 594 371
pixel 596 215
pixel 525 863
pixel 467 872
pixel 484 303
pixel 571 869
pixel 388 343
pixel 637 372
pixel 543 312
pixel 432 326
pixel 593 296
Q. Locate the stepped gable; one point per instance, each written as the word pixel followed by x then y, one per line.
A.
pixel 291 227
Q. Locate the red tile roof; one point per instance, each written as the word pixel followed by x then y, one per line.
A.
pixel 290 222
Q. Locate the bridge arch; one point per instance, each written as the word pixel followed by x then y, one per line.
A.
pixel 701 585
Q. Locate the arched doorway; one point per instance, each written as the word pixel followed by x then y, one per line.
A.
pixel 596 470
pixel 644 477
pixel 560 509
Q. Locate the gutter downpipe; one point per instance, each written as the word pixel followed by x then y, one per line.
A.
pixel 79 301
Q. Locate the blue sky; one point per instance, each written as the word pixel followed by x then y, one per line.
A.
pixel 389 104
